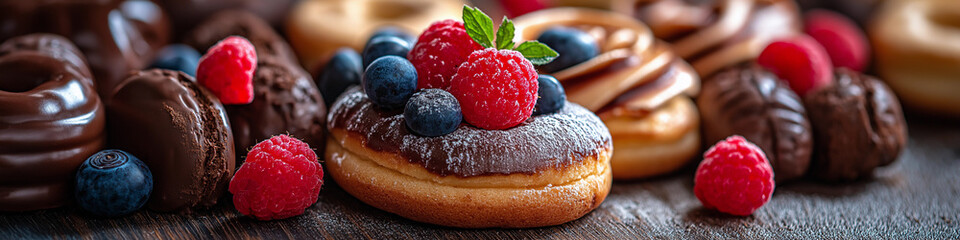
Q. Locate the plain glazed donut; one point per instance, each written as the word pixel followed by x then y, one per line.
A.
pixel 51 120
pixel 637 85
pixel 549 170
pixel 317 28
pixel 917 46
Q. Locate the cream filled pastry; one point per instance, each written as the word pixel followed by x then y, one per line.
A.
pixel 636 84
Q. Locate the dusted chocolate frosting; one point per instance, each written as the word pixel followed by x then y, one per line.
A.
pixel 550 141
pixel 633 75
pixel 51 120
pixel 754 103
pixel 715 34
pixel 286 101
pixel 116 35
pixel 180 131
pixel 858 126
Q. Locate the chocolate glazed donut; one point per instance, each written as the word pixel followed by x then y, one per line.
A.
pixel 285 98
pixel 116 36
pixel 51 120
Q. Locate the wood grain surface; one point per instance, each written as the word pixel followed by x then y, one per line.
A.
pixel 918 197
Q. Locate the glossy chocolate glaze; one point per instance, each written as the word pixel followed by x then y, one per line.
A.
pixel 51 120
pixel 858 126
pixel 755 104
pixel 286 101
pixel 116 36
pixel 180 131
pixel 552 141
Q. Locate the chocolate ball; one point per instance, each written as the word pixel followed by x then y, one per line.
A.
pixel 858 126
pixel 752 102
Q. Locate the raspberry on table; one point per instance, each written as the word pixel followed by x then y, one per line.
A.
pixel 280 178
pixel 799 60
pixel 846 43
pixel 227 70
pixel 734 177
pixel 439 51
pixel 497 89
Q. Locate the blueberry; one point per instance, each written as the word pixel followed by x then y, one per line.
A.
pixel 389 82
pixel 342 71
pixel 113 183
pixel 552 98
pixel 432 112
pixel 177 57
pixel 384 46
pixel 574 47
pixel 394 32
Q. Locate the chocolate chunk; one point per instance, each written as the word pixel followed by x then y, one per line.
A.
pixel 180 131
pixel 858 126
pixel 755 104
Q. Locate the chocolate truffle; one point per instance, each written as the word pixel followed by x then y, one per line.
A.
pixel 752 102
pixel 858 125
pixel 180 131
pixel 116 36
pixel 51 120
pixel 285 101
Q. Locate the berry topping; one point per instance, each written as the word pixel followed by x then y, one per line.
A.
pixel 551 96
pixel 280 178
pixel 113 183
pixel 384 46
pixel 439 51
pixel 573 45
pixel 497 89
pixel 432 112
pixel 520 7
pixel 389 82
pixel 177 57
pixel 342 71
pixel 801 61
pixel 734 177
pixel 227 70
pixel 393 32
pixel 846 43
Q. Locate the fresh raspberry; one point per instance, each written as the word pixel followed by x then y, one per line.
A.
pixel 279 179
pixel 439 51
pixel 497 89
pixel 227 70
pixel 520 7
pixel 734 177
pixel 846 43
pixel 799 60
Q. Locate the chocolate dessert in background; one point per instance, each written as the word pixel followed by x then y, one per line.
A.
pixel 859 10
pixel 116 36
pixel 754 103
pixel 285 98
pixel 185 14
pixel 858 125
pixel 51 120
pixel 180 130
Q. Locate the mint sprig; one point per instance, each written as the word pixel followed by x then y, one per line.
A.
pixel 479 27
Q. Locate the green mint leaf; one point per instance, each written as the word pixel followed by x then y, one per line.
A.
pixel 479 26
pixel 537 52
pixel 505 34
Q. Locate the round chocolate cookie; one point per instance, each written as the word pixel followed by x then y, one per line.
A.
pixel 51 120
pixel 180 131
pixel 751 102
pixel 858 126
pixel 286 101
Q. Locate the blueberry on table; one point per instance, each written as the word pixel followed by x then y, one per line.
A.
pixel 177 57
pixel 389 82
pixel 393 32
pixel 113 183
pixel 342 71
pixel 384 46
pixel 551 95
pixel 432 112
pixel 573 45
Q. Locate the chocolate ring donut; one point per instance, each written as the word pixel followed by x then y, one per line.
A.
pixel 51 120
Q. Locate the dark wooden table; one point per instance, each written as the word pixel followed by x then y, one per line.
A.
pixel 917 197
